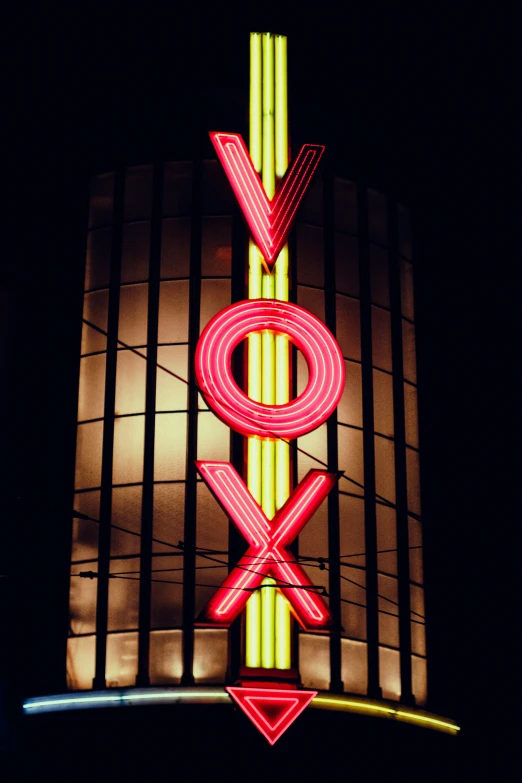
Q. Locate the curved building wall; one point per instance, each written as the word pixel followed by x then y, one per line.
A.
pixel 166 250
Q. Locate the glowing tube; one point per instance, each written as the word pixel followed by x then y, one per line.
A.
pixel 253 631
pixel 255 100
pixel 268 603
pixel 283 656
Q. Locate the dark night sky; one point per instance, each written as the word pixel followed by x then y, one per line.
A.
pixel 413 99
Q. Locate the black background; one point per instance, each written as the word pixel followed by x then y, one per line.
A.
pixel 415 99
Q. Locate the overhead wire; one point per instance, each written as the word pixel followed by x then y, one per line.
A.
pixel 379 498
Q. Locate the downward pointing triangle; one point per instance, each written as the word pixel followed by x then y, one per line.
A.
pixel 271 710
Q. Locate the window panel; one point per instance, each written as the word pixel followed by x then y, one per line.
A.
pixel 350 451
pixel 346 264
pixel 132 325
pixel 353 595
pixel 126 512
pixel 212 533
pixel 348 327
pixel 385 468
pixel 388 626
pixel 351 530
pixel 85 532
pixel 177 188
pixel 404 230
pixel 169 518
pixel 166 657
pixel 407 290
pixel 122 660
pixel 311 207
pixel 215 296
pixel 210 655
pixel 411 415
pixel 386 539
pixel 413 480
pixel 131 372
pixel 379 276
pixel 175 247
pixel 171 393
pixel 88 455
pixel 349 410
pixel 173 312
pixel 80 663
pixel 419 680
pixel 217 193
pixel 213 438
pixel 135 252
pixel 101 200
pixel 313 542
pixel 415 543
pixel 216 246
pixel 408 351
pixel 82 601
pixel 98 261
pixel 95 310
pixel 128 450
pixel 314 443
pixel 314 661
pixel 310 255
pixel 170 447
pixel 389 673
pixel 345 205
pixel 166 599
pixel 312 300
pixel 383 403
pixel 417 602
pixel 91 392
pixel 124 595
pixel 381 339
pixel 138 192
pixel 377 218
pixel 354 666
pixel 418 638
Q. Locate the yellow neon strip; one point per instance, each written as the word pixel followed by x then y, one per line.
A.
pixel 268 595
pixel 255 100
pixel 255 368
pixel 268 173
pixel 281 119
pixel 253 631
pixel 352 705
pixel 283 651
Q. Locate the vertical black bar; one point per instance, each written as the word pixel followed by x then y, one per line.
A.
pixel 189 559
pixel 236 543
pixel 334 545
pixel 104 546
pixel 292 296
pixel 150 422
pixel 403 552
pixel 370 519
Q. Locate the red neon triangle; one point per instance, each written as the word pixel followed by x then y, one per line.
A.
pixel 271 710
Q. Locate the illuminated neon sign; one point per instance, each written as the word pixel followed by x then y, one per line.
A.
pixel 267 554
pixel 247 416
pixel 269 219
pixel 268 582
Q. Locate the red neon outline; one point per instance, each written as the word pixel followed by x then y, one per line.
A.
pixel 249 417
pixel 269 220
pixel 253 700
pixel 267 554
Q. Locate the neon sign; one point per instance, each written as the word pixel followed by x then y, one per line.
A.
pixel 268 582
pixel 247 416
pixel 267 554
pixel 269 219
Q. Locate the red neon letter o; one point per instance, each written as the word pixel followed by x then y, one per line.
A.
pixel 320 349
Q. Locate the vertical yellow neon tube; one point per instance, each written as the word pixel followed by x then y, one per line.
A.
pixel 282 353
pixel 253 607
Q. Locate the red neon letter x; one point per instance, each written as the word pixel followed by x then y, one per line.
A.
pixel 267 554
